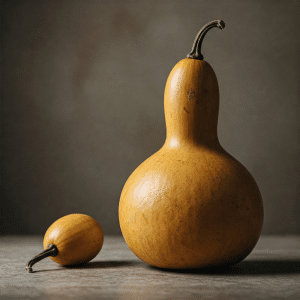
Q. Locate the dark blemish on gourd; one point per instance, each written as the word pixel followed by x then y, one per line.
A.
pixel 235 204
pixel 205 91
pixel 191 94
pixel 186 110
pixel 183 162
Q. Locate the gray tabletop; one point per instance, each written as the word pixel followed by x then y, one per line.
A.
pixel 271 271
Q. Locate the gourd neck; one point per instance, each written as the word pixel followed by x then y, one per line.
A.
pixel 192 98
pixel 196 50
pixel 191 104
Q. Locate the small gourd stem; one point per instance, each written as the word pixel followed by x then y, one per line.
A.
pixel 196 50
pixel 50 251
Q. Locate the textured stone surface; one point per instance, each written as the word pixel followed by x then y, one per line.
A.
pixel 271 271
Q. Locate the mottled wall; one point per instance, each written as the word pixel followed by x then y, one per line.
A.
pixel 82 86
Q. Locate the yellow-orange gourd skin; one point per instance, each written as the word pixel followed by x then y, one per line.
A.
pixel 78 238
pixel 191 204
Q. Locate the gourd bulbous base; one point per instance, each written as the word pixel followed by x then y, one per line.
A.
pixel 207 213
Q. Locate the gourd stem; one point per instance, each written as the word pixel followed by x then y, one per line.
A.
pixel 50 251
pixel 196 50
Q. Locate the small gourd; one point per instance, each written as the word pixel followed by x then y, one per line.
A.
pixel 191 204
pixel 72 239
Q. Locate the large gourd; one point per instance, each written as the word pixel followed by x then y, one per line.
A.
pixel 191 204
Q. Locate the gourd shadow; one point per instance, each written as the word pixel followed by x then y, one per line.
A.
pixel 94 265
pixel 103 264
pixel 248 267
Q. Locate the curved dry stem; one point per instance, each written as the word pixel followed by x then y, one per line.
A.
pixel 50 251
pixel 196 50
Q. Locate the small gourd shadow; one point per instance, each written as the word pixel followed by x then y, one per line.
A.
pixel 247 267
pixel 103 264
pixel 94 265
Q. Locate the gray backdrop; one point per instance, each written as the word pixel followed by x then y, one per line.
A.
pixel 82 86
